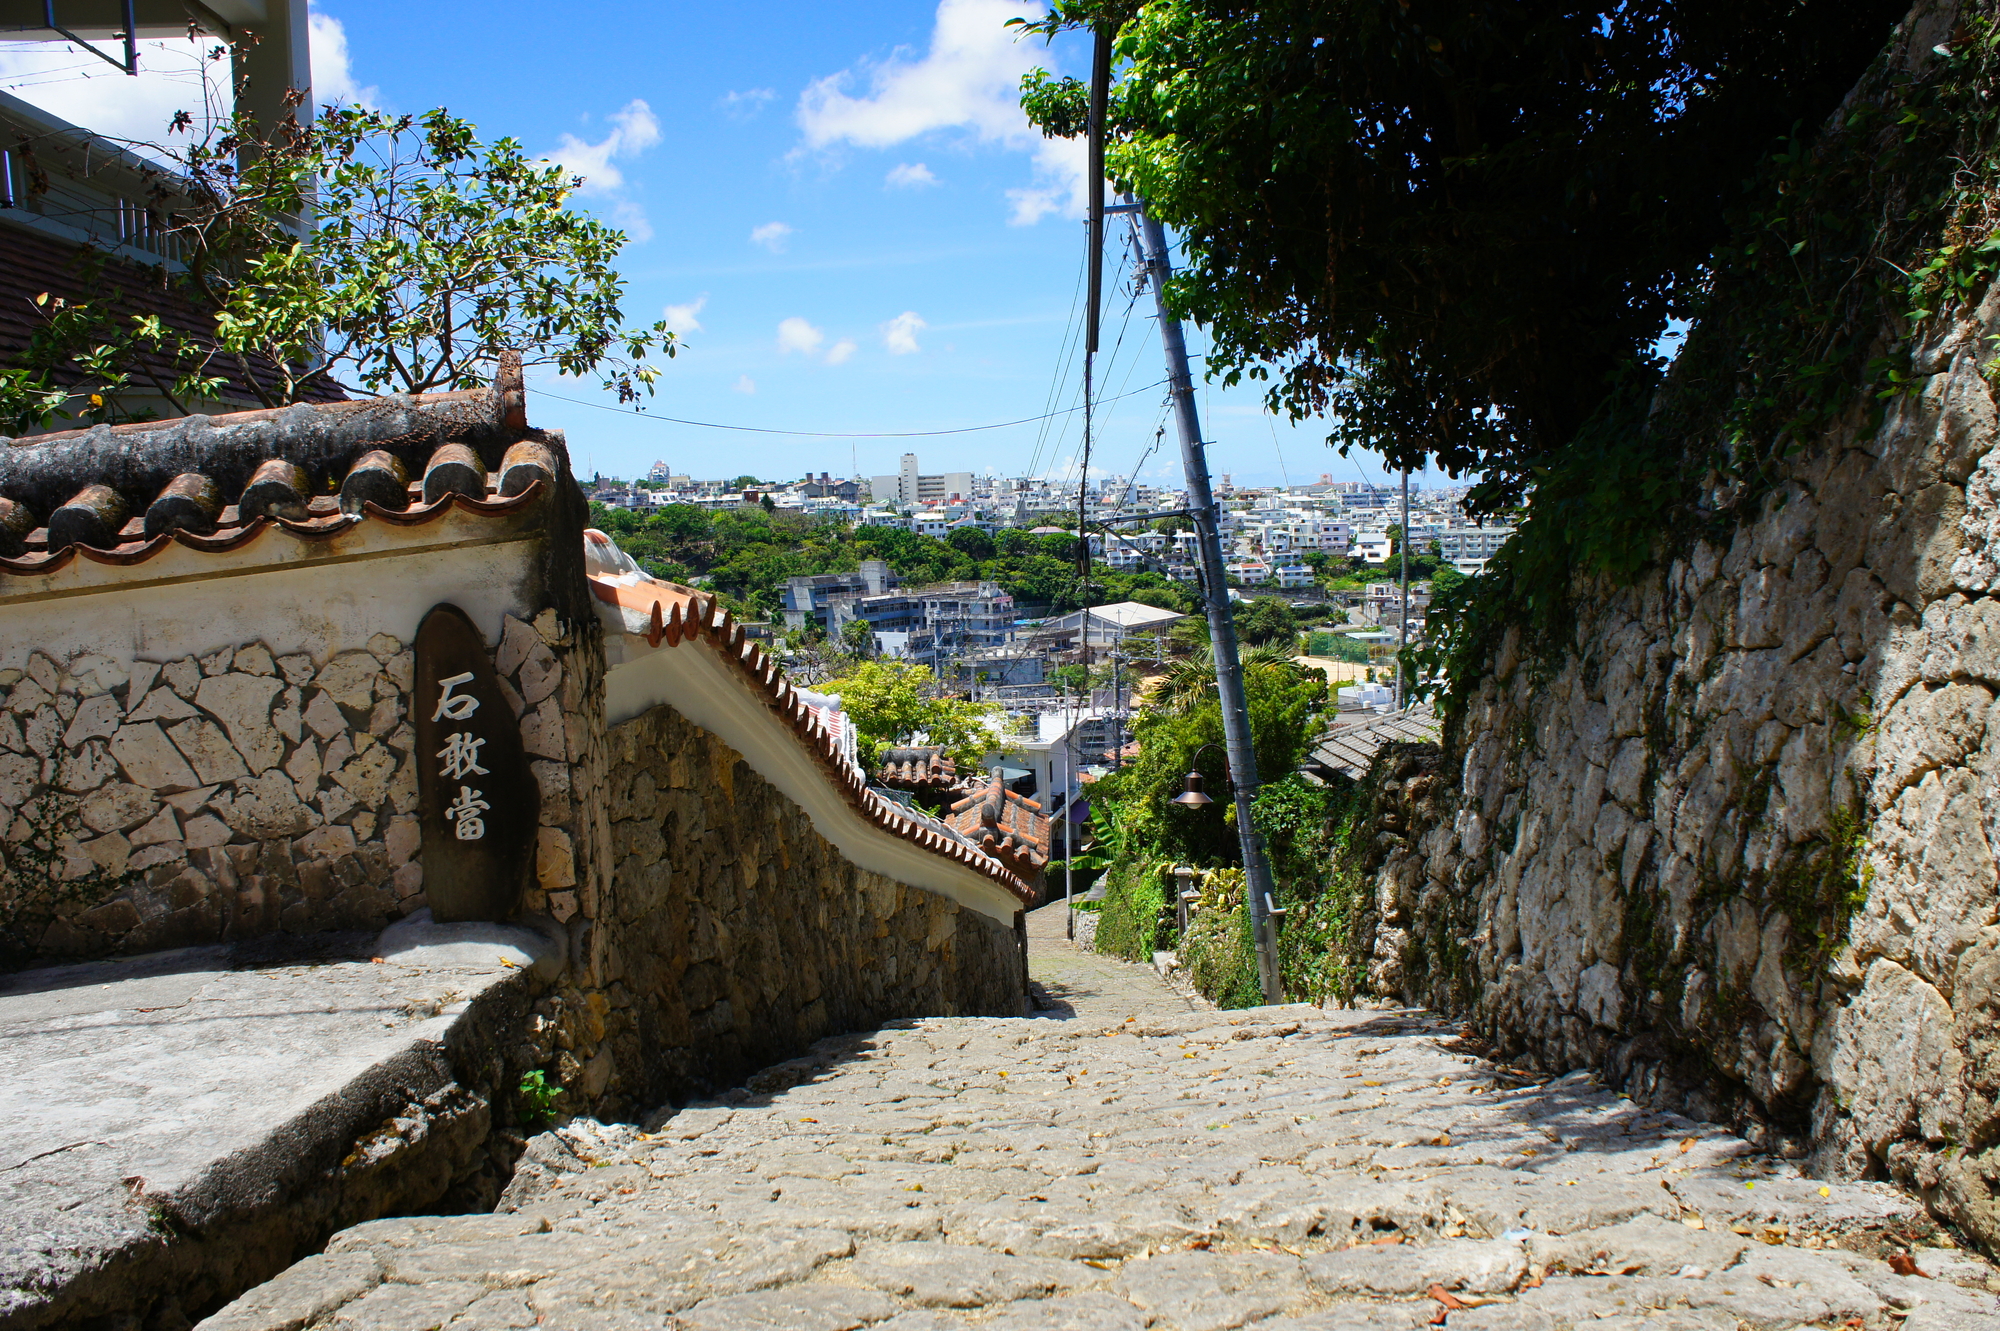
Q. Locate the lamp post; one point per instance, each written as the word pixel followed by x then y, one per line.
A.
pixel 1192 796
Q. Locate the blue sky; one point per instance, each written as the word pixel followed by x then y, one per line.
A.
pixel 838 204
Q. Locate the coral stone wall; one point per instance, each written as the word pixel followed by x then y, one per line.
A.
pixel 216 798
pixel 189 801
pixel 1737 848
pixel 730 934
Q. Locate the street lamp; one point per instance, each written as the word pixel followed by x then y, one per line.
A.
pixel 1192 796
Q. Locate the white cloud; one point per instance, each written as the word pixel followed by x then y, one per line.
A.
pixel 795 334
pixel 746 104
pixel 633 130
pixel 772 236
pixel 745 384
pixel 911 175
pixel 681 318
pixel 177 74
pixel 332 72
pixel 969 80
pixel 900 333
pixel 838 353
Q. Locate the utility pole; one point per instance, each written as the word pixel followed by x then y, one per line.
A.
pixel 1257 886
pixel 1068 826
pixel 1403 622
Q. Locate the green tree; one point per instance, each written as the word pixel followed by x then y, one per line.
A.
pixel 1447 229
pixel 1266 621
pixel 971 542
pixel 429 253
pixel 858 637
pixel 896 703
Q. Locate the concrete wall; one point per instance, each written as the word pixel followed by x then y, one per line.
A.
pixel 1737 848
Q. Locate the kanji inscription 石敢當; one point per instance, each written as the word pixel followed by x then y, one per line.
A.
pixel 477 793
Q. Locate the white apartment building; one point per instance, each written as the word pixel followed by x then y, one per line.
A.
pixel 1372 547
pixel 1294 575
pixel 910 489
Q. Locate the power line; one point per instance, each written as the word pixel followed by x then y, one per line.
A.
pixel 834 434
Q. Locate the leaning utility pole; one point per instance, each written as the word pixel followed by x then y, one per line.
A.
pixel 1403 620
pixel 1257 887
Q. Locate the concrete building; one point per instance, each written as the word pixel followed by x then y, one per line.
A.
pixel 1097 630
pixel 812 596
pixel 910 489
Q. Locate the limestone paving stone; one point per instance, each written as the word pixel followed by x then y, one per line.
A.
pixel 896 1180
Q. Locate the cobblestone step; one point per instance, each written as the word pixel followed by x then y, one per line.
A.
pixel 1129 1158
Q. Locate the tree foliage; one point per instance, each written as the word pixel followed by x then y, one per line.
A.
pixel 375 252
pixel 896 703
pixel 748 554
pixel 1449 229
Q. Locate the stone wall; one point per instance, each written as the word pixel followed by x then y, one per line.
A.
pixel 205 799
pixel 1736 848
pixel 727 933
pixel 244 793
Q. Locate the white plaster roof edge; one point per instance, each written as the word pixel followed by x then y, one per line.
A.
pixel 708 692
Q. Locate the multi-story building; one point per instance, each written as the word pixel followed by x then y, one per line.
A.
pixel 910 489
pixel 813 596
pixel 1295 575
pixel 1465 544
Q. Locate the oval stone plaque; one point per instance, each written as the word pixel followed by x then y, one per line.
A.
pixel 476 794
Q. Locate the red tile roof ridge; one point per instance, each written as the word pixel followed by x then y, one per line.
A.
pixel 129 553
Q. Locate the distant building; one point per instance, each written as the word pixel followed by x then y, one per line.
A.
pixel 812 596
pixel 1100 628
pixel 1472 543
pixel 660 472
pixel 909 488
pixel 1295 575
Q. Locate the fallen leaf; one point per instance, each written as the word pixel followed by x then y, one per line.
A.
pixel 1447 1298
pixel 1905 1265
pixel 1371 1083
pixel 1443 1139
pixel 379 960
pixel 1687 1144
pixel 808 1120
pixel 1826 1192
pixel 1694 1222
pixel 1532 1282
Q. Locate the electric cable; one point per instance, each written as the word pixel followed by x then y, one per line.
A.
pixel 831 434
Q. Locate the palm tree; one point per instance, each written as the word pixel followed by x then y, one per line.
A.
pixel 1190 681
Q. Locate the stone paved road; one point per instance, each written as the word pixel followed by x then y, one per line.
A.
pixel 1132 1160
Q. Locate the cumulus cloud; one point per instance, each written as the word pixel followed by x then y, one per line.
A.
pixel 634 128
pixel 332 71
pixel 911 175
pixel 682 318
pixel 838 353
pixel 900 333
pixel 745 384
pixel 175 75
pixel 795 334
pixel 773 236
pixel 968 81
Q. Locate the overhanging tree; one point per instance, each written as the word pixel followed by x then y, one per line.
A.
pixel 361 251
pixel 1451 230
